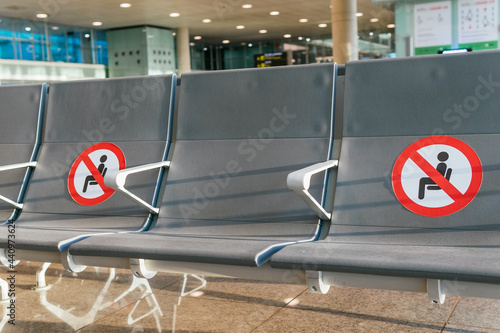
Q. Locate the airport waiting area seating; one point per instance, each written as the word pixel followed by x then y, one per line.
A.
pixel 121 123
pixel 257 185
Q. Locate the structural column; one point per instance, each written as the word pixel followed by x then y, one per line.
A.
pixel 344 31
pixel 183 51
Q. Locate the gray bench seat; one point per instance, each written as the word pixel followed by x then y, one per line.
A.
pixel 239 134
pixel 390 105
pixel 134 114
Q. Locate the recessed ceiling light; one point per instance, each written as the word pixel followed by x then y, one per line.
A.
pixel 250 44
pixel 174 14
pixel 374 20
pixel 287 36
pixel 304 20
pixel 125 5
pixel 247 6
pixel 55 28
pixel 27 28
pixel 206 20
pixel 371 33
pixel 42 15
pixel 174 34
pixel 391 26
pixel 359 14
pixel 263 31
pixel 197 37
pixel 274 13
pixel 192 44
pixel 97 24
pixel 225 41
pixel 239 27
pixel 308 39
pixel 300 38
pixel 87 35
pixel 322 25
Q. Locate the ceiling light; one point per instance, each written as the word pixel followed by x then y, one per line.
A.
pixel 55 28
pixel 304 20
pixel 371 33
pixel 197 37
pixel 27 28
pixel 174 34
pixel 287 36
pixel 300 38
pixel 274 13
pixel 125 5
pixel 206 20
pixel 97 24
pixel 263 31
pixel 359 14
pixel 250 44
pixel 174 14
pixel 391 26
pixel 247 6
pixel 225 41
pixel 308 39
pixel 322 25
pixel 87 35
pixel 42 15
pixel 205 49
pixel 192 44
pixel 239 27
pixel 374 20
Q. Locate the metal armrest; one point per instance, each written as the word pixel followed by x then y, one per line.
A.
pixel 300 180
pixel 13 167
pixel 117 179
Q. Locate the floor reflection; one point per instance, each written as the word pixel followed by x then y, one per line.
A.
pixel 109 300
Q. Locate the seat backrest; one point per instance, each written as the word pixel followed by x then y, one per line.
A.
pixel 131 116
pixel 21 117
pixel 399 116
pixel 239 133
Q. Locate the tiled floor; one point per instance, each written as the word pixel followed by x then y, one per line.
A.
pixel 103 300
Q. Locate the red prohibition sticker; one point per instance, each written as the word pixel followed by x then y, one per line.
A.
pixel 437 176
pixel 86 176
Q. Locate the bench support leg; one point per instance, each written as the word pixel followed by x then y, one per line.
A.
pixel 139 269
pixel 69 264
pixel 315 282
pixel 434 291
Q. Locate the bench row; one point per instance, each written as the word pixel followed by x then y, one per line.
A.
pixel 239 173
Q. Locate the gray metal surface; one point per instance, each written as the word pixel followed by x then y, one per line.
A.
pixel 118 109
pixel 79 115
pixel 371 231
pixel 451 94
pixel 243 102
pixel 239 134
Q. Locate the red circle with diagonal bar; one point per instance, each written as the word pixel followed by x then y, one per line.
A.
pixel 437 176
pixel 86 176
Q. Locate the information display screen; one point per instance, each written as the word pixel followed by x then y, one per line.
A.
pixel 271 59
